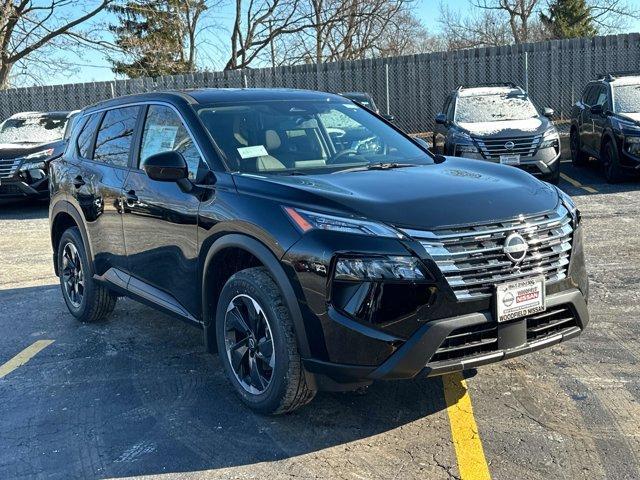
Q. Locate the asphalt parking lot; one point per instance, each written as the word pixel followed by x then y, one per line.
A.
pixel 137 395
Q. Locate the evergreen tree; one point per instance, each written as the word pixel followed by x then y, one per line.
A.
pixel 151 35
pixel 569 19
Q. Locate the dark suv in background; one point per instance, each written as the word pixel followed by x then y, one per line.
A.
pixel 499 123
pixel 310 263
pixel 28 141
pixel 605 124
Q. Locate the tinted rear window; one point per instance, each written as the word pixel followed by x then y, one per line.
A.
pixel 85 139
pixel 115 136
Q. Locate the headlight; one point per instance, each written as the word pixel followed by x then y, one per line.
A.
pixel 463 143
pixel 306 220
pixel 550 139
pixel 568 203
pixel 379 268
pixel 41 154
pixel 37 165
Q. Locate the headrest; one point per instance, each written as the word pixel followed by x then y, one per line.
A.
pixel 272 139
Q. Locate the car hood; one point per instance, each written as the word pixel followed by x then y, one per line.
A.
pixel 507 128
pixel 456 192
pixel 17 150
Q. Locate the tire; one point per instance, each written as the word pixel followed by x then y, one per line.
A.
pixel 92 302
pixel 578 157
pixel 272 384
pixel 611 164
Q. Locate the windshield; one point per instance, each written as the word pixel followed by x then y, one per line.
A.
pixel 494 108
pixel 305 137
pixel 32 129
pixel 627 99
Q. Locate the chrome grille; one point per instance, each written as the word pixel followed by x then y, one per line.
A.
pixel 8 167
pixel 473 261
pixel 494 147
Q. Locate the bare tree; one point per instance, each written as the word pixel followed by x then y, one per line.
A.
pixel 27 27
pixel 258 23
pixel 500 22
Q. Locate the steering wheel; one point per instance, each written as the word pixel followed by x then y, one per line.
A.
pixel 344 153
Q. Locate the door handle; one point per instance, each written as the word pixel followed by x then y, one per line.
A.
pixel 78 182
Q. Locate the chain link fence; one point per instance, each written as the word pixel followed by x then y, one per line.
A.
pixel 412 88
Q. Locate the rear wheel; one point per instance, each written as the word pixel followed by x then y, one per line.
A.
pixel 86 299
pixel 611 163
pixel 578 157
pixel 257 344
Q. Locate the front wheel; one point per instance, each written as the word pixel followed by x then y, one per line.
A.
pixel 86 299
pixel 257 344
pixel 611 163
pixel 578 157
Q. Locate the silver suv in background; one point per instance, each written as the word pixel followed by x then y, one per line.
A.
pixel 499 123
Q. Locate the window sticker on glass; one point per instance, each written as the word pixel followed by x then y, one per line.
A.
pixel 252 152
pixel 160 138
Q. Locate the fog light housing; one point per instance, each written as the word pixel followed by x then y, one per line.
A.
pixel 394 268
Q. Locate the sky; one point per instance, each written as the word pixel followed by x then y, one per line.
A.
pixel 94 66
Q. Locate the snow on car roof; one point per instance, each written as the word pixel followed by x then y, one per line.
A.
pixel 476 91
pixel 32 115
pixel 630 80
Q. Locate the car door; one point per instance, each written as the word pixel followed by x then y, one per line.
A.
pixel 104 151
pixel 160 218
pixel 584 122
pixel 599 121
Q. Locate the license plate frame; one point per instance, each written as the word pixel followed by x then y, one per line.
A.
pixel 520 298
pixel 510 159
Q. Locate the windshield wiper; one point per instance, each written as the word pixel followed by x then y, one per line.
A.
pixel 379 166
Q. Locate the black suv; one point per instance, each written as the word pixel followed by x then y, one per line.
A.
pixel 316 245
pixel 499 123
pixel 605 124
pixel 28 141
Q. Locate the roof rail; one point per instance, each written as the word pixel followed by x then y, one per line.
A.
pixel 611 76
pixel 490 84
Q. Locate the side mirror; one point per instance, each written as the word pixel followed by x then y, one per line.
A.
pixel 548 112
pixel 441 119
pixel 166 167
pixel 597 110
pixel 388 117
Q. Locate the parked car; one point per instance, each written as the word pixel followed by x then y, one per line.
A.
pixel 366 100
pixel 605 124
pixel 309 264
pixel 28 141
pixel 499 123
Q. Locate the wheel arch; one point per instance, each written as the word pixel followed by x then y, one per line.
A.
pixel 64 216
pixel 258 254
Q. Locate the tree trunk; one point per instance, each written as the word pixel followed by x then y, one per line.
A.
pixel 5 71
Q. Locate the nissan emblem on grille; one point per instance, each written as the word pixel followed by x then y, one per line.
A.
pixel 515 247
pixel 509 145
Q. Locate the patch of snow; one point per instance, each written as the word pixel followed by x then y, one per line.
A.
pixel 491 128
pixel 633 116
pixel 631 80
pixel 474 91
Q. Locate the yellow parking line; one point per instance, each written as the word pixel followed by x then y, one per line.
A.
pixel 23 357
pixel 577 184
pixel 464 431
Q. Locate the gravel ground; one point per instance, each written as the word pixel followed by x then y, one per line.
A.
pixel 137 395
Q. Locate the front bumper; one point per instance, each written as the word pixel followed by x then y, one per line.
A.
pixel 19 188
pixel 415 357
pixel 544 163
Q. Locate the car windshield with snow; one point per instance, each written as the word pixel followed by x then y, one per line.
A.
pixel 499 124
